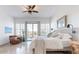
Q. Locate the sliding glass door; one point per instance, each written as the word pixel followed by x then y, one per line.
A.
pixel 32 30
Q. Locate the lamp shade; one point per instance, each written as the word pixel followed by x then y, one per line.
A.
pixel 71 26
pixel 68 26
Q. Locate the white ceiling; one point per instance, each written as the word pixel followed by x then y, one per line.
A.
pixel 44 10
pixel 17 11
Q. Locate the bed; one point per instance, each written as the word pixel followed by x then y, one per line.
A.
pixel 56 42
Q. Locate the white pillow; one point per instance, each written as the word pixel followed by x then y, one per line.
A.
pixel 65 36
pixel 53 34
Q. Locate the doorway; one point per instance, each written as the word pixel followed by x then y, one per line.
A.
pixel 32 29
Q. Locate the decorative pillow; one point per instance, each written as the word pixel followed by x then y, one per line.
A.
pixel 65 36
pixel 53 34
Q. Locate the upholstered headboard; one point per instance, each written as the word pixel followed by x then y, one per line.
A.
pixel 61 30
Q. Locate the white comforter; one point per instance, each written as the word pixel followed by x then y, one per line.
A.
pixel 66 42
pixel 52 43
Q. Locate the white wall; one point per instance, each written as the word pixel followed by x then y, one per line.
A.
pixel 72 13
pixel 5 20
pixel 42 20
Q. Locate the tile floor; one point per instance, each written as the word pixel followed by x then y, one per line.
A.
pixel 22 48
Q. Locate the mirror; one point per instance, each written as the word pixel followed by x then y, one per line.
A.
pixel 62 22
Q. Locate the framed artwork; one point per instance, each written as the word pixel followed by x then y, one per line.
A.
pixel 8 29
pixel 62 22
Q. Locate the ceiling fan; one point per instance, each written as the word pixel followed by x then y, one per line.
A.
pixel 30 9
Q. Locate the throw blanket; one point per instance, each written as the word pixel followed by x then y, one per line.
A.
pixel 40 46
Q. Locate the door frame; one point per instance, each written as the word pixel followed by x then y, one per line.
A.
pixel 32 22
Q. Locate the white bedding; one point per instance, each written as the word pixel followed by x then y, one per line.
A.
pixel 66 42
pixel 49 43
pixel 53 43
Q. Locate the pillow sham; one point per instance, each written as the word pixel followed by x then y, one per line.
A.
pixel 65 36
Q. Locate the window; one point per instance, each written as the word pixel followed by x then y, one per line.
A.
pixel 20 28
pixel 45 29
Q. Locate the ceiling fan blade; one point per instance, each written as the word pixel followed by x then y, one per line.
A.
pixel 29 6
pixel 33 6
pixel 35 11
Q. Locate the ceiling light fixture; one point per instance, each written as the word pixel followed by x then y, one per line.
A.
pixel 30 9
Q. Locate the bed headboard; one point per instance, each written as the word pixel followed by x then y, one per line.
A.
pixel 61 30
